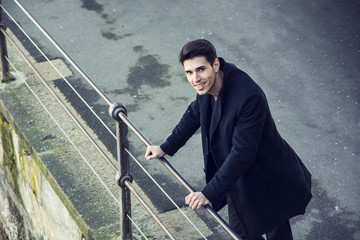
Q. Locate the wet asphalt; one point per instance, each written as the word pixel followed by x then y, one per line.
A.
pixel 304 54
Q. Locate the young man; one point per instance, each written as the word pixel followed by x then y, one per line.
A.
pixel 247 164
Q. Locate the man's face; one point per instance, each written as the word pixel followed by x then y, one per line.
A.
pixel 200 74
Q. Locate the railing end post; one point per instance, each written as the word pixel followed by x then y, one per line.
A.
pixel 2 26
pixel 6 75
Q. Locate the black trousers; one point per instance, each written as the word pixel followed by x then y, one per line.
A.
pixel 281 232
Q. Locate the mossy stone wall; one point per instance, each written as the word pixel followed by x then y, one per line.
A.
pixel 30 208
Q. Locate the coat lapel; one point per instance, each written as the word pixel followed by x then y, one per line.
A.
pixel 205 108
pixel 216 116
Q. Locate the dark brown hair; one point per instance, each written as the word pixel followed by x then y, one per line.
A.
pixel 198 48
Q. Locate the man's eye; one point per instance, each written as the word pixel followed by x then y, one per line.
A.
pixel 201 69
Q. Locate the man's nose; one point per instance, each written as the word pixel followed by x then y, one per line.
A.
pixel 196 77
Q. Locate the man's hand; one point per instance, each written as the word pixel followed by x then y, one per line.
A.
pixel 196 200
pixel 154 152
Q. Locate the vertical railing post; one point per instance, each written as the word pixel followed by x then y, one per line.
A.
pixel 6 75
pixel 124 170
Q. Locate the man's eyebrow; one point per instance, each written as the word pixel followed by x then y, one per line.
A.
pixel 198 68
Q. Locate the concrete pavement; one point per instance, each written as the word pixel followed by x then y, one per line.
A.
pixel 305 55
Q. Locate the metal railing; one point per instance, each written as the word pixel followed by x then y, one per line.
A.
pixel 6 75
pixel 119 113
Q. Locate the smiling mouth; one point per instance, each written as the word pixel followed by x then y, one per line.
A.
pixel 200 86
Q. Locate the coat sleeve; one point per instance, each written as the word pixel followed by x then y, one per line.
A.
pixel 246 137
pixel 188 125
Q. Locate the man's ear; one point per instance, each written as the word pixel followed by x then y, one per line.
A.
pixel 216 65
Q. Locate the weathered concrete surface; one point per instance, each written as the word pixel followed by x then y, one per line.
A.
pixel 304 54
pixel 61 167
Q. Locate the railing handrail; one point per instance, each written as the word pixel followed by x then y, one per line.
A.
pixel 122 117
pixel 179 177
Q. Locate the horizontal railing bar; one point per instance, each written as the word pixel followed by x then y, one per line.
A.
pixel 83 130
pixel 146 206
pixel 183 182
pixel 92 83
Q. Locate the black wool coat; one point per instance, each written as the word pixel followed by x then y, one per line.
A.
pixel 265 179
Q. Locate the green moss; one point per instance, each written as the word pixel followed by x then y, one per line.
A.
pixel 59 151
pixel 33 183
pixel 9 157
pixel 22 165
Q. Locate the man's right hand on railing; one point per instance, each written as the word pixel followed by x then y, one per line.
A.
pixel 154 152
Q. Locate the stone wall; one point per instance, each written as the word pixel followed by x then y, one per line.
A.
pixel 29 206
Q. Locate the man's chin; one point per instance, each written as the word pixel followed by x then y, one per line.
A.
pixel 203 92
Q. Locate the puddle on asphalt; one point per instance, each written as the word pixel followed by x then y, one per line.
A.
pixel 93 5
pixel 148 71
pixel 112 36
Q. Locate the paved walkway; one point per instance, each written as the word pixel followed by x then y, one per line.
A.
pixel 305 55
